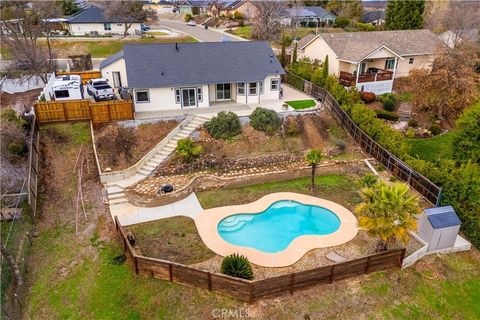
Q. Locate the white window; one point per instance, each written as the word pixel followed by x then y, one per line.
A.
pixel 411 60
pixel 252 89
pixel 274 84
pixel 241 88
pixel 261 87
pixel 389 64
pixel 119 25
pixel 107 26
pixel 142 96
pixel 177 96
pixel 199 94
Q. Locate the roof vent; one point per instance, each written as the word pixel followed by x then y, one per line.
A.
pixel 176 46
pixel 163 73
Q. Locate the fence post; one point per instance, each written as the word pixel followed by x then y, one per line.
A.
pixel 250 298
pixel 65 111
pixel 368 265
pixel 135 261
pixel 170 275
pixel 109 113
pixel 209 277
pixel 332 273
pixel 400 262
pixel 292 282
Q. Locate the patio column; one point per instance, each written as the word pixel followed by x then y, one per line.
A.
pixel 395 68
pixel 358 72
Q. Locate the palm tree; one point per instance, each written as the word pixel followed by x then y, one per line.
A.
pixel 313 158
pixel 388 211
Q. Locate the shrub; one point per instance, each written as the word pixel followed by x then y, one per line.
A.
pixel 236 265
pixel 467 136
pixel 224 126
pixel 292 128
pixel 365 26
pixel 368 97
pixel 342 22
pixel 188 17
pixel 435 129
pixel 11 115
pixel 17 149
pixel 410 133
pixel 387 115
pixel 413 123
pixel 187 150
pixel 266 120
pixel 341 145
pixel 368 180
pixel 238 15
pixel 389 101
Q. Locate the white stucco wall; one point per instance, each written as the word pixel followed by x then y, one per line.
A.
pixel 318 50
pixel 419 62
pixel 164 99
pixel 118 66
pixel 79 29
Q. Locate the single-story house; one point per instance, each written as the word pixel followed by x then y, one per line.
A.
pixel 376 18
pixel 166 76
pixel 371 60
pixel 160 6
pixel 225 8
pixel 93 20
pixel 313 16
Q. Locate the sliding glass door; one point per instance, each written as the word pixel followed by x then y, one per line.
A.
pixel 188 97
pixel 224 91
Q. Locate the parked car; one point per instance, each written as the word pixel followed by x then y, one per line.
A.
pixel 191 23
pixel 144 27
pixel 99 89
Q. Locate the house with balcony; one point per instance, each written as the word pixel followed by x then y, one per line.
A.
pixel 186 76
pixel 370 61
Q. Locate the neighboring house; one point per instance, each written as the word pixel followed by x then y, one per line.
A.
pixel 376 18
pixel 371 60
pixel 308 15
pixel 168 76
pixel 225 8
pixel 453 38
pixel 93 20
pixel 160 6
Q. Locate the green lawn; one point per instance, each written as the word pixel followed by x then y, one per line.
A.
pixel 105 48
pixel 301 104
pixel 341 188
pixel 431 149
pixel 244 32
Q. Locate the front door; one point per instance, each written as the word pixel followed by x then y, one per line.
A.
pixel 117 81
pixel 363 67
pixel 189 98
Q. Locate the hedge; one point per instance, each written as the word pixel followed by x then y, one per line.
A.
pixel 387 115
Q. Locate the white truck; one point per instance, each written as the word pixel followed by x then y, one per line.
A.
pixel 99 89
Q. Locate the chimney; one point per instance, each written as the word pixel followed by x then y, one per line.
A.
pixel 176 46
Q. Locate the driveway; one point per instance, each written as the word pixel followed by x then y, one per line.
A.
pixel 198 32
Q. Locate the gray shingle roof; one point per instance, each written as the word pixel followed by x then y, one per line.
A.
pixel 442 217
pixel 111 59
pixel 195 63
pixel 354 46
pixel 93 14
pixel 303 42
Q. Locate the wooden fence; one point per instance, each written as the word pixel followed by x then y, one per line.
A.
pixel 249 290
pixel 78 110
pixel 397 167
pixel 85 75
pixel 32 180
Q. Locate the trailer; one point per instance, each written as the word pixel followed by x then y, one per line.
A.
pixel 67 87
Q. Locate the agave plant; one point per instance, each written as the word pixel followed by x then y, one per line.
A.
pixel 368 180
pixel 236 265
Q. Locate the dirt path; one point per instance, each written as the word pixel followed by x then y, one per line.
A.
pixel 313 134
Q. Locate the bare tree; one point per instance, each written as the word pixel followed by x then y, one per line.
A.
pixel 267 21
pixel 461 19
pixel 130 12
pixel 23 23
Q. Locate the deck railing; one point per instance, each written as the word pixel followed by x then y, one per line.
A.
pixel 348 79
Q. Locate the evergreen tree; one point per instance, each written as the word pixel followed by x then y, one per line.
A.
pixel 325 70
pixel 294 58
pixel 404 14
pixel 68 7
pixel 282 55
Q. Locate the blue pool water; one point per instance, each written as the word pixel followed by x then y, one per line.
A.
pixel 275 228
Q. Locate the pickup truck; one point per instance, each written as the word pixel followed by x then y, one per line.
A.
pixel 99 89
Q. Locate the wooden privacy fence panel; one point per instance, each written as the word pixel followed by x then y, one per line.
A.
pixel 247 290
pixel 79 110
pixel 85 75
pixel 397 167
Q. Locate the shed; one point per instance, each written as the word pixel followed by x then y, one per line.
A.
pixel 439 227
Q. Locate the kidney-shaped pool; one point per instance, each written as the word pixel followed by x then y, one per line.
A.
pixel 273 229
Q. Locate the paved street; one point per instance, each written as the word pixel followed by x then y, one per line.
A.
pixel 198 32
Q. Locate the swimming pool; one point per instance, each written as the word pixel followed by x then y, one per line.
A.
pixel 277 229
pixel 273 229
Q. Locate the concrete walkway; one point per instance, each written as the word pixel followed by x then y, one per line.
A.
pixel 213 110
pixel 129 214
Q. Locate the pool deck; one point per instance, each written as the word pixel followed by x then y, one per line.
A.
pixel 208 220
